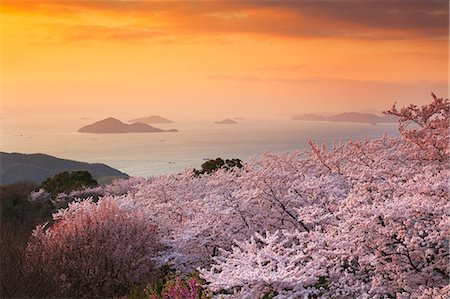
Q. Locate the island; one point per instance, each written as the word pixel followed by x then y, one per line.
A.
pixel 114 126
pixel 153 119
pixel 226 122
pixel 353 117
pixel 38 167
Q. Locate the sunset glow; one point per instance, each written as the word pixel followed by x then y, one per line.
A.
pixel 224 149
pixel 221 57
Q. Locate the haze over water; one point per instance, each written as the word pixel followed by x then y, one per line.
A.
pixel 146 154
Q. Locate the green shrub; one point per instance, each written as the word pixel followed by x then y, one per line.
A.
pixel 17 209
pixel 68 181
pixel 213 165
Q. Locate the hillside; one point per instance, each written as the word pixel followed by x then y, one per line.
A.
pixel 350 217
pixel 113 126
pixel 37 167
pixel 362 219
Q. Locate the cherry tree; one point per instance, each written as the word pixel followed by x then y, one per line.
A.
pixel 96 249
pixel 379 228
pixel 360 219
pixel 426 126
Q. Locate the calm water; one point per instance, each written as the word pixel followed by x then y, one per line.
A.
pixel 146 154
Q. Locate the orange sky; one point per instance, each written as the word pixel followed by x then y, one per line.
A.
pixel 183 59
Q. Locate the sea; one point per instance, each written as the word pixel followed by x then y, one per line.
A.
pixel 152 154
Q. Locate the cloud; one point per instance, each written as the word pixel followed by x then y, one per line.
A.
pixel 97 32
pixel 419 17
pixel 301 19
pixel 253 78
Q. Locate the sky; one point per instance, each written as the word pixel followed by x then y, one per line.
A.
pixel 220 58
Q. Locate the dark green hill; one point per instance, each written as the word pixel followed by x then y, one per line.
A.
pixel 16 167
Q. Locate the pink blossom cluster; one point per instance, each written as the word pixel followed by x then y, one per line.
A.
pixel 179 290
pixel 95 249
pixel 363 219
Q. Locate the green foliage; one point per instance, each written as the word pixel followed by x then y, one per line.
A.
pixel 136 293
pixel 156 288
pixel 18 218
pixel 68 181
pixel 268 296
pixel 18 277
pixel 322 283
pixel 213 165
pixel 15 207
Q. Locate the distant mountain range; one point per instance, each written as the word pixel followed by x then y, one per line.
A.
pixel 226 122
pixel 38 167
pixel 353 117
pixel 153 119
pixel 112 126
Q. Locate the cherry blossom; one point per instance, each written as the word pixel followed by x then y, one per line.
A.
pixel 359 219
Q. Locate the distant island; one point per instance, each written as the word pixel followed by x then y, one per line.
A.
pixel 38 167
pixel 311 117
pixel 153 119
pixel 113 126
pixel 226 122
pixel 354 117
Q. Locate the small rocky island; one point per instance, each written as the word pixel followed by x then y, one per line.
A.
pixel 226 122
pixel 153 119
pixel 113 126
